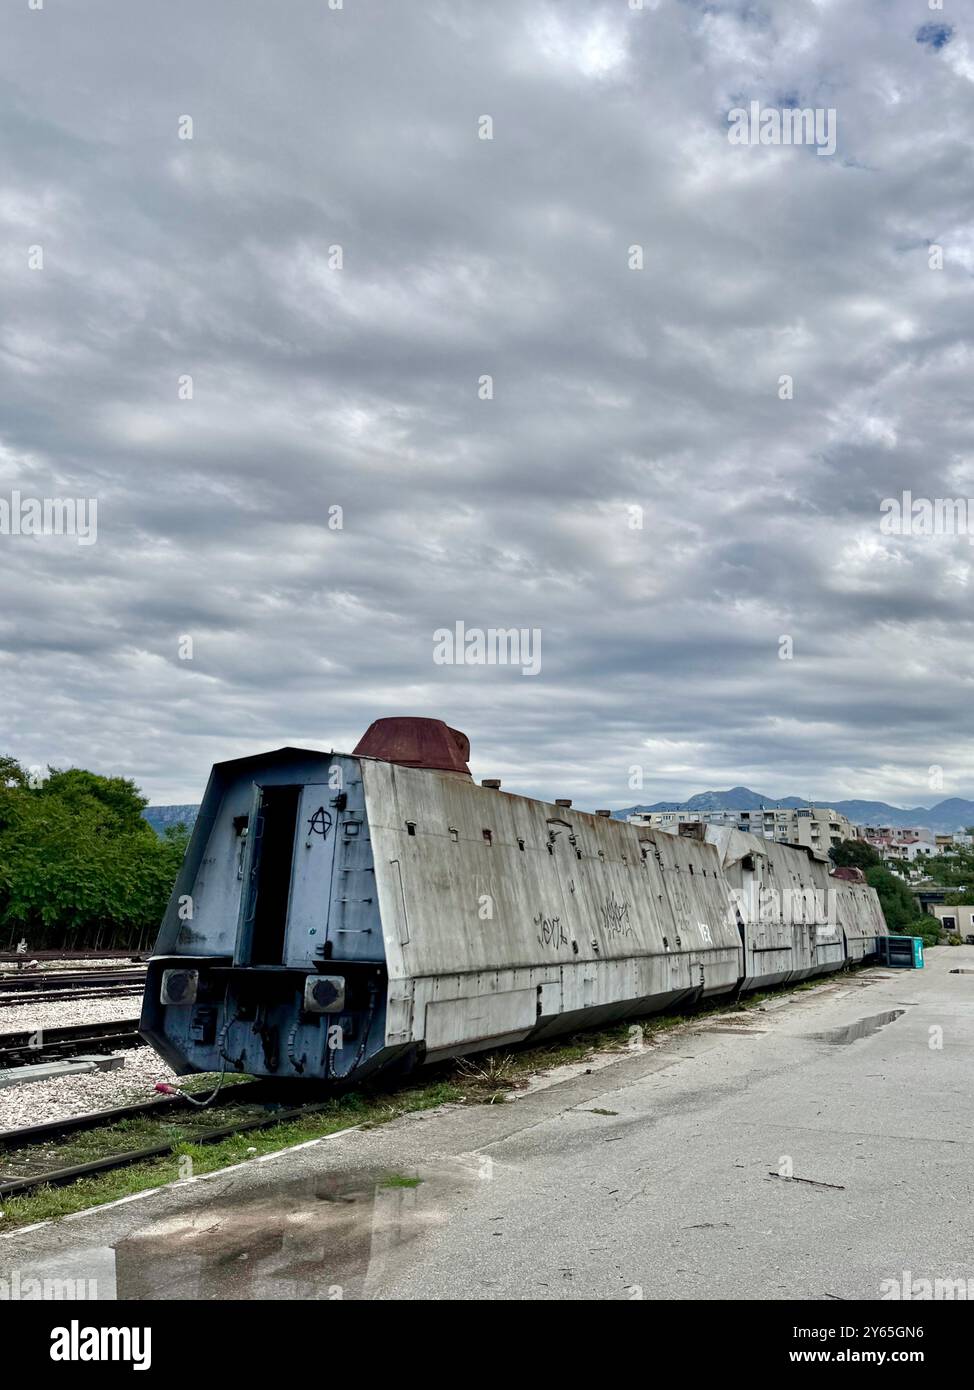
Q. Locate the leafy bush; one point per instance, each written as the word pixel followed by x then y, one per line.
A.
pixel 854 854
pixel 930 933
pixel 900 908
pixel 79 865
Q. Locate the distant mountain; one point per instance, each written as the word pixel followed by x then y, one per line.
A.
pixel 736 799
pixel 159 817
pixel 947 816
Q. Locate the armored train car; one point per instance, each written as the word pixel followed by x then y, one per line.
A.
pixel 337 913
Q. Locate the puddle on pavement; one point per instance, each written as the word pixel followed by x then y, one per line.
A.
pixel 331 1236
pixel 852 1032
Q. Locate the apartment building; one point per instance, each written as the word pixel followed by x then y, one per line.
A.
pixel 880 835
pixel 907 849
pixel 816 827
pixel 959 920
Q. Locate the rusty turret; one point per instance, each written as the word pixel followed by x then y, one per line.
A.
pixel 414 742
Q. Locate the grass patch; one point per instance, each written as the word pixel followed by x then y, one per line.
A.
pixel 487 1079
pixel 188 1159
pixel 399 1180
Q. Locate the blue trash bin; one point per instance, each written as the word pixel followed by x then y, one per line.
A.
pixel 900 952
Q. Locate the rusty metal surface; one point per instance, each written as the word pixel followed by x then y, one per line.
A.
pixel 414 742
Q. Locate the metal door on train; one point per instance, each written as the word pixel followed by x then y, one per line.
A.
pixel 312 873
pixel 287 875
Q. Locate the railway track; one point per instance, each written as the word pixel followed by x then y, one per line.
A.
pixel 27 1161
pixel 20 957
pixel 64 984
pixel 77 996
pixel 29 1046
pixel 68 980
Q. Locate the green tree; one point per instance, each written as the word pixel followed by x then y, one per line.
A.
pixel 119 797
pixel 903 917
pixel 79 865
pixel 853 854
pixel 11 773
pixel 955 869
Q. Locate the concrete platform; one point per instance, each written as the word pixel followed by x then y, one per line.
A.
pixel 51 1071
pixel 815 1150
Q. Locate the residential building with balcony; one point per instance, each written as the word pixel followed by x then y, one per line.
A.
pixel 816 827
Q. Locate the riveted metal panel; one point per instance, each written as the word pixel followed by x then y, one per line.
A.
pixel 484 1016
pixel 354 928
pixel 464 916
pixel 471 880
pixel 311 874
pixel 796 919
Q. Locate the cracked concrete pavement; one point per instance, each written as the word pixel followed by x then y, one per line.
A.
pixel 663 1173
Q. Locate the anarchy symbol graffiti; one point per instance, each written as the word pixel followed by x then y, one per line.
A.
pixel 320 823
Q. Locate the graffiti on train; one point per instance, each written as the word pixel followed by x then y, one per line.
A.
pixel 615 917
pixel 550 931
pixel 320 823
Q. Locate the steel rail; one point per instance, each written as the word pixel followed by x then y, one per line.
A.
pixel 10 1001
pixel 32 1045
pixel 249 1092
pixel 20 957
pixel 58 1177
pixel 67 980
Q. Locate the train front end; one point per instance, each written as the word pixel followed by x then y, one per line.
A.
pixel 270 959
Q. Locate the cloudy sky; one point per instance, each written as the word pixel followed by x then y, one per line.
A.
pixel 170 264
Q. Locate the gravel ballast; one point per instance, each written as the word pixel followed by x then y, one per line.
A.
pixel 42 1101
pixel 50 967
pixel 77 1095
pixel 65 1013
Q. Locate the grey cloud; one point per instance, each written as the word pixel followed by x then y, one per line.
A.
pixel 658 388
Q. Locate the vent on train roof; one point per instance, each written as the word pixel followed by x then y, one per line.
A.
pixel 414 742
pixel 849 873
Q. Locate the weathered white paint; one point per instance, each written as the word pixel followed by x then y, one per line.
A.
pixel 496 917
pixel 592 914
